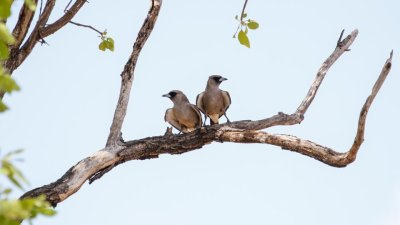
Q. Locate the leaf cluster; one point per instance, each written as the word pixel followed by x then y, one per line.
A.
pixel 106 42
pixel 12 211
pixel 7 84
pixel 243 29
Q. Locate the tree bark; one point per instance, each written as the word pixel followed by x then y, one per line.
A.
pixel 117 151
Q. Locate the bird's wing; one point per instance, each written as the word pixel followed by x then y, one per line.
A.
pixel 200 118
pixel 170 118
pixel 199 102
pixel 227 99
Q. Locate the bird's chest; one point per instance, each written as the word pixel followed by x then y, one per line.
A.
pixel 184 115
pixel 213 102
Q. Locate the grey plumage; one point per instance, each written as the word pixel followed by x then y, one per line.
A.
pixel 214 102
pixel 184 116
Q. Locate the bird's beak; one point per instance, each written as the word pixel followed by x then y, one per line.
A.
pixel 166 95
pixel 222 79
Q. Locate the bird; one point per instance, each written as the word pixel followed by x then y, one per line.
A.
pixel 214 102
pixel 184 116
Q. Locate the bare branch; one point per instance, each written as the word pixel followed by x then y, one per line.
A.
pixel 127 74
pixel 352 153
pixel 21 27
pixel 101 162
pixel 117 151
pixel 66 7
pixel 298 116
pixel 62 21
pixel 87 26
pixel 341 47
pixel 19 55
pixel 40 31
pixel 244 7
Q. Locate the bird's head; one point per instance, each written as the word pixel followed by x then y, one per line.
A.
pixel 215 80
pixel 176 96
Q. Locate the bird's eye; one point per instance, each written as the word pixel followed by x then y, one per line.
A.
pixel 216 78
pixel 172 94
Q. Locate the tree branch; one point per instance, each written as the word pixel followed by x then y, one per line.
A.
pixel 244 7
pixel 93 167
pixel 21 27
pixel 358 140
pixel 62 21
pixel 127 74
pixel 19 55
pixel 40 31
pixel 87 26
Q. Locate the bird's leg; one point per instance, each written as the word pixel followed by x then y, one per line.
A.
pixel 227 119
pixel 205 119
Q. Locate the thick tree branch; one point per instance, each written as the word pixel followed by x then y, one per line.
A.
pixel 40 31
pixel 17 56
pixel 101 162
pixel 21 27
pixel 62 21
pixel 127 74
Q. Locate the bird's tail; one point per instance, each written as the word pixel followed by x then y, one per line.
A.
pixel 214 119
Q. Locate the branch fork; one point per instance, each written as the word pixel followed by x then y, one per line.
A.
pixel 246 131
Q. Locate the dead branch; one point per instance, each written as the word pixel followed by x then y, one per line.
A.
pixel 93 167
pixel 117 151
pixel 127 74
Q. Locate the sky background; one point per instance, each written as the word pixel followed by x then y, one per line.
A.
pixel 69 92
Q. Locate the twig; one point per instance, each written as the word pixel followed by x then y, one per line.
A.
pixel 87 26
pixel 66 7
pixel 244 7
pixel 41 7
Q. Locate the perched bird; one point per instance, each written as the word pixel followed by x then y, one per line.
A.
pixel 183 116
pixel 214 102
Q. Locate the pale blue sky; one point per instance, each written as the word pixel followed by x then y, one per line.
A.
pixel 69 92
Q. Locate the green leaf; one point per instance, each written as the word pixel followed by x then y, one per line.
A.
pixel 110 44
pixel 102 45
pixel 244 15
pixel 7 84
pixel 46 211
pixel 30 4
pixel 236 17
pixel 252 25
pixel 13 153
pixel 106 43
pixel 5 35
pixel 243 39
pixel 5 8
pixel 3 108
pixel 7 191
pixel 3 51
